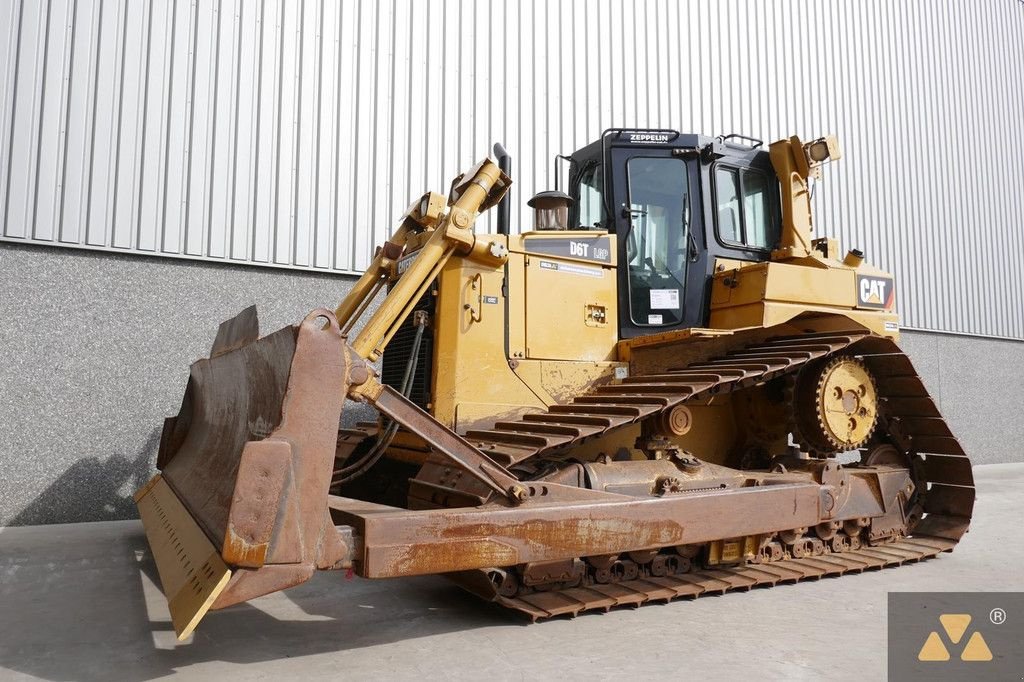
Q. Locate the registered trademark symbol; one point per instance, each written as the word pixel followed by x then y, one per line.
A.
pixel 997 616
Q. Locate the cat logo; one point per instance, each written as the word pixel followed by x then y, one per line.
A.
pixel 875 292
pixel 955 625
pixel 404 264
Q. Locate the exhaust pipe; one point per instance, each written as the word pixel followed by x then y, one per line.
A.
pixel 504 207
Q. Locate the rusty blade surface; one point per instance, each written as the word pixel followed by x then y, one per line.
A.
pixel 239 331
pixel 230 400
pixel 251 452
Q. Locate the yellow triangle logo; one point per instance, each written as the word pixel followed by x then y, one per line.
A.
pixel 955 625
pixel 976 649
pixel 933 649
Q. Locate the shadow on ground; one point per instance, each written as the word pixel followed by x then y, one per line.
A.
pixel 97 612
pixel 80 602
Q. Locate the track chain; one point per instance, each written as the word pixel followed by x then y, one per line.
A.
pixel 909 419
pixel 638 397
pixel 547 604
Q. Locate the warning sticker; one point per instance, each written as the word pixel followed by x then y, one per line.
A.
pixel 654 319
pixel 665 299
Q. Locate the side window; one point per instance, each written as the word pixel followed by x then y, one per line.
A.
pixel 744 207
pixel 592 197
pixel 755 209
pixel 727 185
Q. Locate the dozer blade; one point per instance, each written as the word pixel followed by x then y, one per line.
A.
pixel 192 572
pixel 240 507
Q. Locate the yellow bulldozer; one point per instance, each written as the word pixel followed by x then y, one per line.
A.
pixel 668 387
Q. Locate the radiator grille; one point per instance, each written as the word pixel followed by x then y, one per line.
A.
pixel 396 355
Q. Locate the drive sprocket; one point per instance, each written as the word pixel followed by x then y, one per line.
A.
pixel 835 405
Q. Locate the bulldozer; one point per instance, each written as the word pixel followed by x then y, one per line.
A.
pixel 667 387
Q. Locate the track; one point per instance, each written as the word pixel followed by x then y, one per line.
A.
pixel 909 420
pixel 609 407
pixel 908 416
pixel 547 604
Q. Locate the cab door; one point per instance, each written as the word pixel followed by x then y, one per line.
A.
pixel 662 258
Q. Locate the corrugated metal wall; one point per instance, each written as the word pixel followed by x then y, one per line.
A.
pixel 292 133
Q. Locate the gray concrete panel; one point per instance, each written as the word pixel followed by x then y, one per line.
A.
pixel 96 351
pixel 974 380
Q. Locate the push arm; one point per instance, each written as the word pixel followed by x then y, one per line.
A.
pixel 451 233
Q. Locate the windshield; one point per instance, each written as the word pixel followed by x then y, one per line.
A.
pixel 656 245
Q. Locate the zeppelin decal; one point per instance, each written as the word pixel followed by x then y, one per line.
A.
pixel 648 137
pixel 875 292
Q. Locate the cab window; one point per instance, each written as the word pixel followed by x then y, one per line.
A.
pixel 656 243
pixel 744 215
pixel 591 198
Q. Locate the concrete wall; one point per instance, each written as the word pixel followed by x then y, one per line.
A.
pixel 96 349
pixel 974 382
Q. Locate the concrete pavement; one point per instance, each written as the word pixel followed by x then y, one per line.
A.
pixel 82 602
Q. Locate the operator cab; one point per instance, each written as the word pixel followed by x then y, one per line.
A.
pixel 677 203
